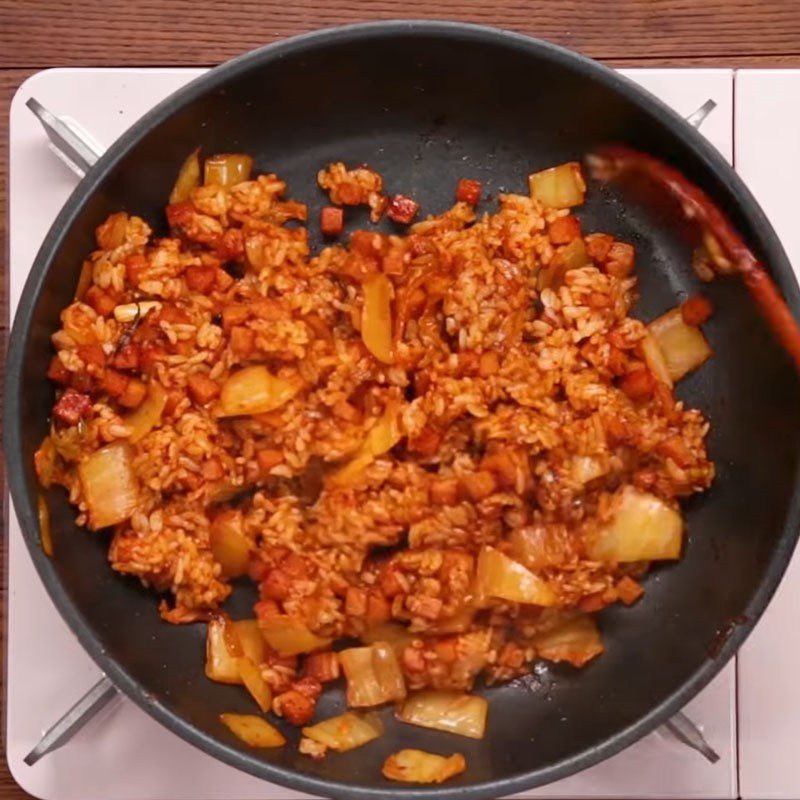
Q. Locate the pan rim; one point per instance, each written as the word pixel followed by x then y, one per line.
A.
pixel 25 504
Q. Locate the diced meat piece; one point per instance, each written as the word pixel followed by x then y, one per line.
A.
pixel 378 609
pixel 477 485
pixel 174 314
pixel 127 357
pixel 355 603
pixel 389 580
pixel 202 389
pixel 180 215
pixel 444 491
pixel 72 407
pixel 617 361
pixel 134 393
pixel 231 246
pixel 269 458
pixel 331 221
pixel 426 443
pixel 101 302
pixel 243 341
pixel 150 355
pixel 115 383
pixel 276 585
pixel 598 246
pixel 468 191
pixel 564 230
pixel 619 261
pixel 265 308
pixel 294 706
pixel 675 447
pixel 350 194
pixel 489 364
pixel 402 209
pixel 324 667
pixel 234 314
pixel 598 300
pixel 135 265
pixel 200 278
pixel 628 590
pixel 696 310
pixel 57 372
pixel 503 467
pixel 92 354
pixel 212 469
pixel 309 686
pixel 639 384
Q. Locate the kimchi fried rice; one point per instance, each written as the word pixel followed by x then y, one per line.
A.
pixel 453 442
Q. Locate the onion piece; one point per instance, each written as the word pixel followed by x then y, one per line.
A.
pixel 683 346
pixel 643 528
pixel 290 636
pixel 110 486
pixel 84 279
pixel 417 766
pixel 253 730
pixel 229 545
pixel 251 678
pixel 454 712
pixel 584 469
pixel 382 437
pixel 392 633
pixel 141 421
pixel 255 390
pixel 655 359
pixel 222 665
pixel 45 531
pixel 501 577
pixel 347 731
pixel 249 635
pixel 559 187
pixel 576 641
pixel 373 675
pixel 571 256
pixel 45 462
pixel 188 178
pixel 227 169
pixel 376 317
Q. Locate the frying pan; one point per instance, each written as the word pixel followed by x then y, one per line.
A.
pixel 427 104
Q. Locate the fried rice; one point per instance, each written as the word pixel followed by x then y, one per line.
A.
pixel 392 485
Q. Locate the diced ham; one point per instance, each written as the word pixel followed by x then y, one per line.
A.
pixel 564 230
pixel 331 221
pixel 402 209
pixel 468 191
pixel 72 407
pixel 202 389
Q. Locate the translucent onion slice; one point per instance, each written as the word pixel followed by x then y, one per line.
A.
pixel 229 545
pixel 110 486
pixel 141 421
pixel 454 712
pixel 253 645
pixel 373 675
pixel 255 390
pixel 684 348
pixel 392 633
pixel 347 731
pixel 417 766
pixel 559 187
pixel 576 640
pixel 45 531
pixel 227 169
pixel 188 178
pixel 251 678
pixel 655 359
pixel 643 528
pixel 501 577
pixel 222 659
pixel 253 730
pixel 376 317
pixel 290 636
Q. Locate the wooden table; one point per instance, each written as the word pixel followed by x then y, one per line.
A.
pixel 37 34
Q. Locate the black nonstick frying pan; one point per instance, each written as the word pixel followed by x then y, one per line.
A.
pixel 426 104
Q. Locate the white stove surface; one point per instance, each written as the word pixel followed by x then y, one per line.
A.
pixel 123 754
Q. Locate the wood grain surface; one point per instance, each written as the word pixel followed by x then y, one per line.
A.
pixel 36 34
